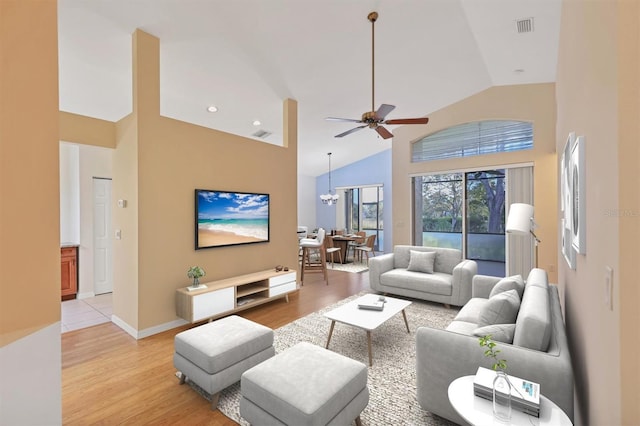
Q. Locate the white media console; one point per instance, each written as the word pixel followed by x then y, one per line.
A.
pixel 234 294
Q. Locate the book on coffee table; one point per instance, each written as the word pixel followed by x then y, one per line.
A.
pixel 373 306
pixel 525 394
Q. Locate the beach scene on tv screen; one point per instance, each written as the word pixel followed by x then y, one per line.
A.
pixel 226 218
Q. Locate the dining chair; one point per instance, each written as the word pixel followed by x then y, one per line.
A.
pixel 360 239
pixel 366 248
pixel 311 246
pixel 331 250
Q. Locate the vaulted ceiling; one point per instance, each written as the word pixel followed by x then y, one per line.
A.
pixel 246 56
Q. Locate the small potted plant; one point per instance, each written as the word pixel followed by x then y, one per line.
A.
pixel 196 273
pixel 501 384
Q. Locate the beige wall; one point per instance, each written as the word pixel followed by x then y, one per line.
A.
pixel 157 164
pixel 30 225
pixel 598 95
pixel 535 103
pixel 29 214
pixel 87 130
pixel 629 202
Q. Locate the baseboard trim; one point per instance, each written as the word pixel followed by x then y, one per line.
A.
pixel 160 328
pixel 141 334
pixel 85 295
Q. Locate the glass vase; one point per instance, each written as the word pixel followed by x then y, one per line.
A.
pixel 502 397
pixel 196 281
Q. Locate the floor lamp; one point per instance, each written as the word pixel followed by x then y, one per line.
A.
pixel 520 221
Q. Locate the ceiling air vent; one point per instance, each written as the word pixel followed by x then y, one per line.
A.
pixel 525 25
pixel 262 134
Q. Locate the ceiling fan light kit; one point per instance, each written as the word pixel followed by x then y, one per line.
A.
pixel 375 118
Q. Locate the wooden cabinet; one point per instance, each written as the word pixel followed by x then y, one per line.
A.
pixel 234 294
pixel 69 272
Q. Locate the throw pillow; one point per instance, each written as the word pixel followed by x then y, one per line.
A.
pixel 422 261
pixel 499 332
pixel 500 309
pixel 514 282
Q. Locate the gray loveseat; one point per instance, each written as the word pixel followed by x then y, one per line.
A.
pixel 447 280
pixel 539 351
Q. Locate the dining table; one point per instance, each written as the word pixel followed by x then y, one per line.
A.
pixel 342 241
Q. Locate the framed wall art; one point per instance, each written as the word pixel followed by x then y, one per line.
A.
pixel 225 218
pixel 578 199
pixel 565 202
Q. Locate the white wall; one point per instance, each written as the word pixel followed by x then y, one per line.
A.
pixel 307 201
pixel 94 162
pixel 69 193
pixel 24 363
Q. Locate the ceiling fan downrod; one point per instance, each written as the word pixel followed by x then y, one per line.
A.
pixel 374 119
pixel 373 17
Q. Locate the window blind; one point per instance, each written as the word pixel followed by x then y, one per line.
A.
pixel 476 138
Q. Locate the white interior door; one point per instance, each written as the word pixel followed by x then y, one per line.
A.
pixel 102 244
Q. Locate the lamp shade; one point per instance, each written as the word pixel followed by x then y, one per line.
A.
pixel 520 220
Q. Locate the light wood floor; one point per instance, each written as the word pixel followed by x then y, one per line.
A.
pixel 110 378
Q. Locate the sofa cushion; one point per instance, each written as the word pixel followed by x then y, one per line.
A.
pixel 470 312
pixel 435 283
pixel 402 255
pixel 421 261
pixel 533 325
pixel 500 309
pixel 462 327
pixel 446 258
pixel 514 282
pixel 499 332
pixel 538 277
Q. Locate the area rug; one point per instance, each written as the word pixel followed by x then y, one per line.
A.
pixel 354 267
pixel 392 378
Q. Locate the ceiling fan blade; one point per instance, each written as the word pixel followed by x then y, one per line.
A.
pixel 384 109
pixel 384 132
pixel 422 120
pixel 348 132
pixel 350 120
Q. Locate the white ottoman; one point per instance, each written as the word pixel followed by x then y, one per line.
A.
pixel 215 355
pixel 304 385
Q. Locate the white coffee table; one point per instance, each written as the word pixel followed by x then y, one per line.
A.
pixel 368 320
pixel 479 411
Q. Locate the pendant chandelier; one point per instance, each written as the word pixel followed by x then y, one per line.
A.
pixel 329 198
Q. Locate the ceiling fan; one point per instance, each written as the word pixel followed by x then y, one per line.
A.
pixel 374 119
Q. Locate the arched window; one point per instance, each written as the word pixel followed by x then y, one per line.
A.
pixel 476 138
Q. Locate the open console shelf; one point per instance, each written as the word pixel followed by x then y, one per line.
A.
pixel 229 295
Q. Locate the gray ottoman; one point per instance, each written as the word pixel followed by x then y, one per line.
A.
pixel 305 385
pixel 215 355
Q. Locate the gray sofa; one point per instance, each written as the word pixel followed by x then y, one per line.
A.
pixel 539 351
pixel 447 281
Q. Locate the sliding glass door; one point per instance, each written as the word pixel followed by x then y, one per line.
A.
pixel 438 201
pixel 485 220
pixel 463 211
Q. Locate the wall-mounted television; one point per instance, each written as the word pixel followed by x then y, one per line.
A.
pixel 226 218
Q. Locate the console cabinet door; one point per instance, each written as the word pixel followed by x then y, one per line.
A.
pixel 212 303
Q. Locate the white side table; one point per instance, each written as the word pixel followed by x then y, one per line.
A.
pixel 479 411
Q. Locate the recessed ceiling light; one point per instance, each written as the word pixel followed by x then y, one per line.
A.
pixel 519 70
pixel 257 123
pixel 212 108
